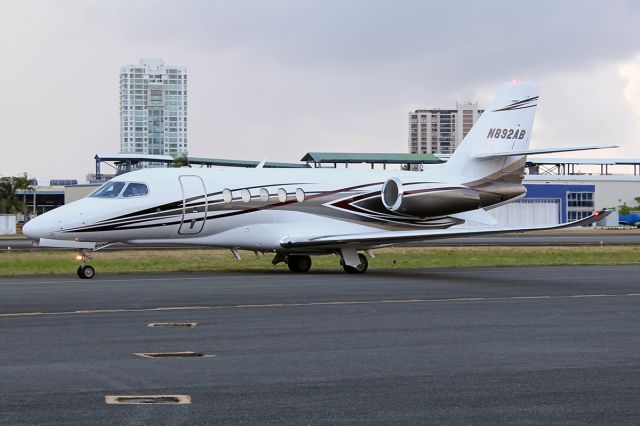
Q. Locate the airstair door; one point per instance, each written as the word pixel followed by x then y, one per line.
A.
pixel 194 205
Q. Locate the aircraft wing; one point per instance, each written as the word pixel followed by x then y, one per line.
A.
pixel 382 238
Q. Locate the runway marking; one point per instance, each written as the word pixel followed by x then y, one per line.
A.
pixel 172 324
pixel 186 354
pixel 327 303
pixel 147 399
pixel 557 268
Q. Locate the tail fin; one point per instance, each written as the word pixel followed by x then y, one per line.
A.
pixel 505 126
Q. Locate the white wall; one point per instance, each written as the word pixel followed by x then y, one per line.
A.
pixel 614 193
pixel 76 192
pixel 7 224
pixel 522 213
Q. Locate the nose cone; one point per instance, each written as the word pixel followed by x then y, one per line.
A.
pixel 37 228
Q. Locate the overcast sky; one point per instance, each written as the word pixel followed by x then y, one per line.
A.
pixel 277 79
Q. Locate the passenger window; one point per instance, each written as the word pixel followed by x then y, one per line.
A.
pixel 227 196
pixel 109 190
pixel 300 195
pixel 282 195
pixel 264 195
pixel 136 190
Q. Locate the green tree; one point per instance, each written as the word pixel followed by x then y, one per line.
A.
pixel 625 209
pixel 9 201
pixel 25 184
pixel 181 161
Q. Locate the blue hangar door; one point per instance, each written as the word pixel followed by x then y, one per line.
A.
pixel 194 205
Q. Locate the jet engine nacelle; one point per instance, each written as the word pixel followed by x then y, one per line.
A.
pixel 428 199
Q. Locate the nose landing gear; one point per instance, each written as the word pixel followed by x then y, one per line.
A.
pixel 85 271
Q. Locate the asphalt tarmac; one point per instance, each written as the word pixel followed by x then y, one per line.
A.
pixel 552 345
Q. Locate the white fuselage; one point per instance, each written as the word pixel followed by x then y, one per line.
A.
pixel 228 207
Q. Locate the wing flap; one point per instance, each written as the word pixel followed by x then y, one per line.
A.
pixel 397 237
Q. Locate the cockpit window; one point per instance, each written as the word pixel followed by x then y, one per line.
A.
pixel 109 190
pixel 136 190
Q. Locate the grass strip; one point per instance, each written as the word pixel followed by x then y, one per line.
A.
pixel 54 262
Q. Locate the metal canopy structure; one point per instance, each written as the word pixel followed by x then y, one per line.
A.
pixel 220 162
pixel 123 163
pixel 567 166
pixel 346 158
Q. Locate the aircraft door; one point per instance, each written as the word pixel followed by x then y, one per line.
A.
pixel 194 205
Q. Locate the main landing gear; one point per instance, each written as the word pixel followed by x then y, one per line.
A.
pixel 298 263
pixel 360 269
pixel 85 271
pixel 302 263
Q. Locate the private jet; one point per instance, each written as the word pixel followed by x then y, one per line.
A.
pixel 298 213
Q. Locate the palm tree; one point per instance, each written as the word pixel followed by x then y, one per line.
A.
pixel 9 202
pixel 25 184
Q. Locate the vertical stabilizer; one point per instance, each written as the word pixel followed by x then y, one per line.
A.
pixel 506 125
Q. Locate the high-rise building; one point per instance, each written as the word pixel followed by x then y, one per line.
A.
pixel 439 131
pixel 153 108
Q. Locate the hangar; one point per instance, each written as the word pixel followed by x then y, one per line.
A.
pixel 564 189
pixel 547 203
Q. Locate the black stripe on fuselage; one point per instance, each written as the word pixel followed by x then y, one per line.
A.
pixel 122 225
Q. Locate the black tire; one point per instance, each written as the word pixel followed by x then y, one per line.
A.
pixel 79 272
pixel 360 269
pixel 86 272
pixel 299 263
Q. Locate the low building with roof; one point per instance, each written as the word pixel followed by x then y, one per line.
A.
pixel 333 159
pixel 124 163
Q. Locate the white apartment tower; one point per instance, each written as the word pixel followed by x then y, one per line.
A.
pixel 153 108
pixel 439 131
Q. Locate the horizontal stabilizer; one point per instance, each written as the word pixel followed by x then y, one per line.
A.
pixel 382 238
pixel 478 216
pixel 540 151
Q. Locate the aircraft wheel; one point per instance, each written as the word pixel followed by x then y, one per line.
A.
pixel 86 272
pixel 299 263
pixel 360 269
